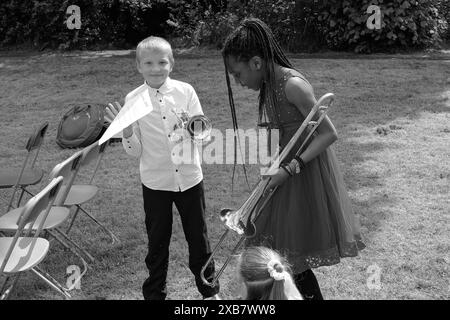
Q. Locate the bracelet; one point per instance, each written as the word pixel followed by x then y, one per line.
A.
pixel 300 162
pixel 294 166
pixel 285 167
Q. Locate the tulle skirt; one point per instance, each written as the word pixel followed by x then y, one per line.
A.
pixel 309 219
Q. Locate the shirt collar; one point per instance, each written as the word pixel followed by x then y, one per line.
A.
pixel 166 87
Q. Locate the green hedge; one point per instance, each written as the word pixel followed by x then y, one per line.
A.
pixel 116 23
pixel 341 25
pixel 404 24
pixel 302 25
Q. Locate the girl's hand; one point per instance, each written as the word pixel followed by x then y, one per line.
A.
pixel 277 178
pixel 111 112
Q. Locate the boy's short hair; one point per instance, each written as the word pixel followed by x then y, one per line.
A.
pixel 153 42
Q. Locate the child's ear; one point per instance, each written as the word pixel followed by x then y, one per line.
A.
pixel 256 63
pixel 138 66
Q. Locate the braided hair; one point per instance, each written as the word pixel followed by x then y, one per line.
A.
pixel 254 38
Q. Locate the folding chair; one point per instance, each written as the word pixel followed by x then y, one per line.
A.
pixel 82 193
pixel 26 249
pixel 57 215
pixel 20 179
pixel 67 169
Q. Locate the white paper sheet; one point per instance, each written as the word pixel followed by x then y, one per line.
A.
pixel 133 110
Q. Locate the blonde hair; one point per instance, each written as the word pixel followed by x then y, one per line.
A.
pixel 153 42
pixel 266 275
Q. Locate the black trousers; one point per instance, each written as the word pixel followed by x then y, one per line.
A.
pixel 308 286
pixel 158 221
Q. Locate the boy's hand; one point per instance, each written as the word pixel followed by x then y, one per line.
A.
pixel 111 112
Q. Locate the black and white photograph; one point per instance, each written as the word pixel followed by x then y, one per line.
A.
pixel 241 151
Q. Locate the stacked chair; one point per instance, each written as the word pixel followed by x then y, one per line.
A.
pixel 28 174
pixel 26 249
pixel 82 193
pixel 49 220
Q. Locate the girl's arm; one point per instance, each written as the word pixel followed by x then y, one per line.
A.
pixel 300 93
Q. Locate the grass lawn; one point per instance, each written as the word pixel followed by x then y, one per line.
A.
pixel 393 120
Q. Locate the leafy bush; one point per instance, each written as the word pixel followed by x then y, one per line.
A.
pixel 184 18
pixel 293 23
pixel 300 25
pixel 215 27
pixel 404 24
pixel 200 22
pixel 119 23
pixel 28 20
pixel 443 7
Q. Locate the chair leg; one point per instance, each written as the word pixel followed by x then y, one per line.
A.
pixel 73 249
pixel 73 244
pixel 52 282
pixel 10 203
pixel 21 196
pixel 73 219
pixel 4 285
pixel 6 292
pixel 106 230
pixel 29 193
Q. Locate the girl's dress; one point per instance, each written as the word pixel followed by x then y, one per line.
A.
pixel 309 219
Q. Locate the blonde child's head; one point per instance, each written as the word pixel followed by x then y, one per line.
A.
pixel 154 43
pixel 154 60
pixel 266 275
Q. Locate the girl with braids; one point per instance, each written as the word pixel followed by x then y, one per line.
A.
pixel 309 218
pixel 266 275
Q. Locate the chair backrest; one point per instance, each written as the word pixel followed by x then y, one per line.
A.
pixel 38 205
pixel 34 144
pixel 35 140
pixel 67 169
pixel 93 153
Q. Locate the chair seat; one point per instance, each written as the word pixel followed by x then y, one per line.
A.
pixel 78 194
pixel 8 178
pixel 56 216
pixel 27 253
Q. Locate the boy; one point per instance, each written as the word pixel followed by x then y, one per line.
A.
pixel 165 181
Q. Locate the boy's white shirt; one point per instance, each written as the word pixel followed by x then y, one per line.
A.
pixel 161 167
